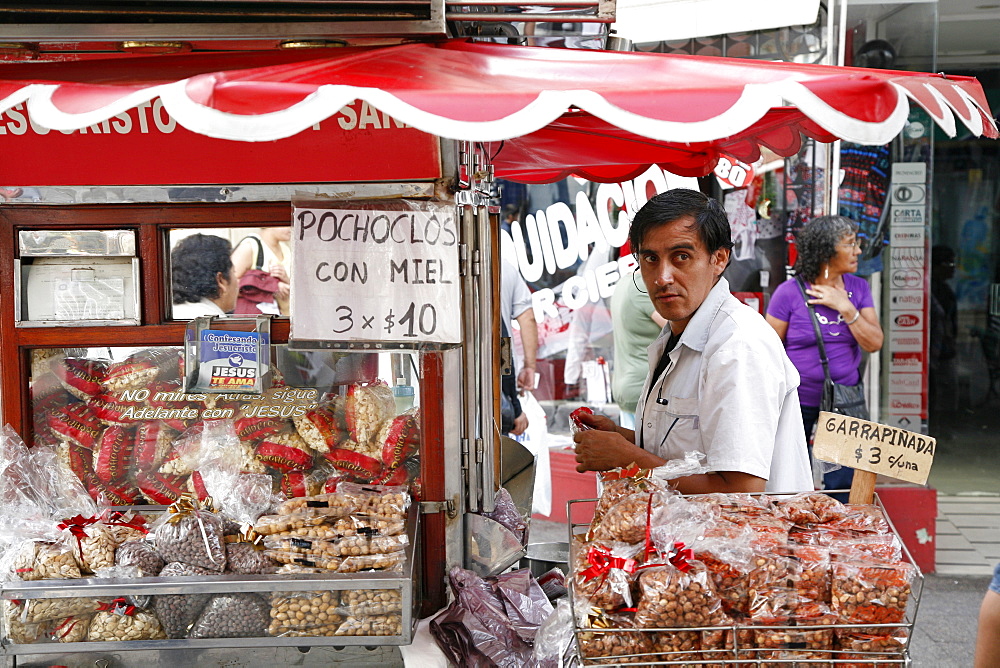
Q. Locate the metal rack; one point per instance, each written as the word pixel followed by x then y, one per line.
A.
pixel 98 588
pixel 737 656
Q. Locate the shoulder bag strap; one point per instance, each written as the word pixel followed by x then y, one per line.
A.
pixel 815 324
pixel 259 264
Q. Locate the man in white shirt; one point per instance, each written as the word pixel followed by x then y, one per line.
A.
pixel 719 380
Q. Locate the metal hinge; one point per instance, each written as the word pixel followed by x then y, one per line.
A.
pixel 479 451
pixel 431 507
pixel 475 262
pixel 465 454
pixel 463 259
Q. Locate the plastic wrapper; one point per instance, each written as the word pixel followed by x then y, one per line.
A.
pixel 391 561
pixel 603 573
pixel 881 548
pixel 71 629
pixel 812 580
pixel 34 483
pixel 737 504
pixel 812 632
pixel 299 523
pixel 365 602
pixel 629 520
pixel 125 526
pixel 508 516
pixel 399 438
pixel 34 560
pixel 366 407
pixel 139 370
pixel 862 650
pixel 284 451
pixel 119 621
pixel 333 528
pixel 152 443
pixel 371 625
pixel 35 610
pixel 305 613
pixel 76 423
pixel 178 612
pixel 191 535
pixel 253 430
pixel 809 508
pixel 554 638
pixel 296 569
pixel 161 489
pixel 609 639
pixel 339 547
pixel 233 616
pixel 871 593
pixel 525 602
pixel 861 519
pixel 18 631
pixel 783 658
pixel 677 645
pixel 674 598
pixel 323 427
pixel 727 645
pixel 576 424
pixel 302 483
pixel 248 557
pixel 358 462
pixel 82 377
pixel 774 586
pixel 729 564
pixel 331 503
pixel 92 542
pixel 110 410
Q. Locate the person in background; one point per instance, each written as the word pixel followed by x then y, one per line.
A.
pixel 828 250
pixel 636 325
pixel 201 277
pixel 719 381
pixel 276 261
pixel 988 633
pixel 515 304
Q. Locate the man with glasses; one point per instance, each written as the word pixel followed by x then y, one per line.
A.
pixel 720 382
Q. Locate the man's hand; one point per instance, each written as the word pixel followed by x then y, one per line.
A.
pixel 526 379
pixel 599 450
pixel 520 424
pixel 599 422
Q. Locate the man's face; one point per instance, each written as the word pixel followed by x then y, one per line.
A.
pixel 678 270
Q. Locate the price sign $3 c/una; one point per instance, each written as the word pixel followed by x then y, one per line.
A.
pixel 874 447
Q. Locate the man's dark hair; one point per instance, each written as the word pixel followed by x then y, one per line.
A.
pixel 194 262
pixel 709 218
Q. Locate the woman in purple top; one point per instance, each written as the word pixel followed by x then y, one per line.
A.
pixel 828 250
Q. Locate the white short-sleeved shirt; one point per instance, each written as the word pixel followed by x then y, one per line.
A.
pixel 729 391
pixel 515 297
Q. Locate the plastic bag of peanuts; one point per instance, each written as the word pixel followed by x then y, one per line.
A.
pixel 92 542
pixel 366 602
pixel 17 630
pixel 192 535
pixel 305 613
pixel 242 615
pixel 608 639
pixel 603 574
pixel 627 521
pixel 35 560
pixel 119 621
pixel 71 629
pixel 871 593
pixel 673 598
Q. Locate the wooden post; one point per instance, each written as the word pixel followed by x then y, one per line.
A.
pixel 863 487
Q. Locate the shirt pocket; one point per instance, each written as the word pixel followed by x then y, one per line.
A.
pixel 678 408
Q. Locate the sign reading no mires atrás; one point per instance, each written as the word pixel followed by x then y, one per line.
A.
pixel 380 271
pixel 874 447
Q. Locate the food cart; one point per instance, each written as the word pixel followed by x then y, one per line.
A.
pixel 418 126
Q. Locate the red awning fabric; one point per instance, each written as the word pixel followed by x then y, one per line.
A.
pixel 599 114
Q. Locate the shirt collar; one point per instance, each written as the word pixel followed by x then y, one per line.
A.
pixel 695 335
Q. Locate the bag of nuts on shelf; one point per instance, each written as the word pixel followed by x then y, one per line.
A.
pixel 17 630
pixel 125 526
pixel 191 534
pixel 245 554
pixel 812 580
pixel 339 547
pixel 48 609
pixel 738 504
pixel 365 602
pixel 727 645
pixel 92 542
pixel 399 438
pixel 304 613
pixel 860 650
pixel 372 625
pixel 629 520
pixel 677 645
pixel 603 573
pixel 119 621
pixel 621 483
pixel 294 523
pixel 233 616
pixel 178 612
pixel 811 628
pixel 809 508
pixel 670 597
pixel 607 639
pixel 871 593
pixel 285 451
pixel 728 561
pixel 71 629
pixel 36 560
pixel 884 548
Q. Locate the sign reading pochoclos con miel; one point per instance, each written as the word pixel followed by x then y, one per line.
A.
pixel 379 271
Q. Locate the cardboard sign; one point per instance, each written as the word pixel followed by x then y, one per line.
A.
pixel 380 271
pixel 873 447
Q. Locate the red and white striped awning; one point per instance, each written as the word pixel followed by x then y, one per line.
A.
pixel 557 111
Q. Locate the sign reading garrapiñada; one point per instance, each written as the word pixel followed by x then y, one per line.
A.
pixel 874 447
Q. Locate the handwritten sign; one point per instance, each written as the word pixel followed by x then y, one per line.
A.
pixel 874 447
pixel 382 271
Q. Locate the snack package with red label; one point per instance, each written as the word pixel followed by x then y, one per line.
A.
pixel 354 465
pixel 81 377
pixel 113 454
pixel 110 410
pixel 161 489
pixel 728 561
pixel 325 426
pixel 400 438
pixel 140 369
pixel 285 451
pixel 575 423
pixel 152 443
pixel 76 423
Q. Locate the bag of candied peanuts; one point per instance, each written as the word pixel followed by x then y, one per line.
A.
pixel 603 573
pixel 868 592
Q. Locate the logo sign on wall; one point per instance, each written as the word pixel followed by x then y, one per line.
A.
pixel 379 271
